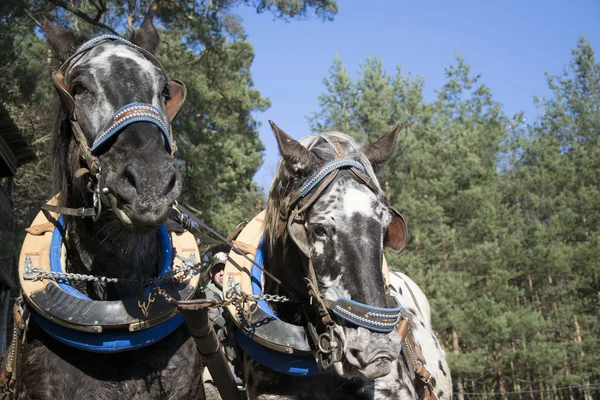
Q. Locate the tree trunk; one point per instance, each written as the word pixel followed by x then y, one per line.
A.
pixel 456 351
pixel 578 339
pixel 499 380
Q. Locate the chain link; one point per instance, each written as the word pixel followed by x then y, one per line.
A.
pixel 243 302
pixel 35 273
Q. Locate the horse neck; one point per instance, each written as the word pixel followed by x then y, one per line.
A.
pixel 105 248
pixel 285 263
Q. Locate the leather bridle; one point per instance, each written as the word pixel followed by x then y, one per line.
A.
pixel 377 319
pixel 129 114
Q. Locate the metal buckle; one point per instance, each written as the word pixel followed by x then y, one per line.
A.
pixel 96 195
pixel 328 346
pixel 28 272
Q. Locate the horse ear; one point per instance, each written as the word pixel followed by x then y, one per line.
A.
pixel 177 95
pixel 147 36
pixel 63 42
pixel 380 151
pixel 295 156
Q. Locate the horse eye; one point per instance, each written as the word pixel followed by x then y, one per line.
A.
pixel 318 230
pixel 78 89
pixel 166 92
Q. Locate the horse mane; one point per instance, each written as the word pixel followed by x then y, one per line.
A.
pixel 285 181
pixel 65 157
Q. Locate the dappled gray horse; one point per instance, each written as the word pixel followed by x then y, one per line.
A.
pixel 113 166
pixel 327 223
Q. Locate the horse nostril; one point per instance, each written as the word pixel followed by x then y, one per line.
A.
pixel 171 184
pixel 129 175
pixel 353 356
pixel 128 183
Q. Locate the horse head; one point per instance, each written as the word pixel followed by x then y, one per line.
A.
pixel 119 103
pixel 341 221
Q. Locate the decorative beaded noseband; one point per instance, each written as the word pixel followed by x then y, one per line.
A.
pixel 129 114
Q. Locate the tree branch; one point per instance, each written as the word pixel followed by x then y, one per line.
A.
pixel 101 7
pixel 83 16
pixel 35 21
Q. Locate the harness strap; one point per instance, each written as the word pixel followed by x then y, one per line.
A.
pixel 84 150
pixel 414 357
pixel 75 212
pixel 10 375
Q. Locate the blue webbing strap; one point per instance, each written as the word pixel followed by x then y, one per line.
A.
pixel 325 170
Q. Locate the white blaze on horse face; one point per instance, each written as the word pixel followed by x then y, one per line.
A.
pixel 332 288
pixel 101 62
pixel 359 201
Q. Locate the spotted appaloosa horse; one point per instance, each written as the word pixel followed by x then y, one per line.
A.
pixel 416 309
pixel 140 181
pixel 345 233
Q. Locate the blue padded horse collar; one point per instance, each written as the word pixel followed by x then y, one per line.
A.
pixel 103 326
pixel 109 340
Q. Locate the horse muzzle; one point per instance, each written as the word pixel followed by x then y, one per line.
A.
pixel 368 355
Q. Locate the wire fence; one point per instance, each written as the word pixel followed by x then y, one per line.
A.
pixel 525 392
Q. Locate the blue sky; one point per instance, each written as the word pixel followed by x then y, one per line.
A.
pixel 510 43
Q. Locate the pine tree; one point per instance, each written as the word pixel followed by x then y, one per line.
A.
pixel 204 45
pixel 338 104
pixel 556 188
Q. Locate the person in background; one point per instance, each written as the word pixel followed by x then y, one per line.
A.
pixel 214 291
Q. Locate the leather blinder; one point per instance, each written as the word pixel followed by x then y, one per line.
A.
pixel 299 235
pixel 396 234
pixel 177 96
pixel 67 101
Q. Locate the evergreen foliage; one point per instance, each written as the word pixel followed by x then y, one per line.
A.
pixel 203 44
pixel 503 218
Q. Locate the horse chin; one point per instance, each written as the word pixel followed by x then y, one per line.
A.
pixel 376 369
pixel 367 355
pixel 137 222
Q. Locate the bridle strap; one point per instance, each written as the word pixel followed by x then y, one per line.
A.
pixel 414 358
pixel 85 153
pixel 10 375
pixel 74 212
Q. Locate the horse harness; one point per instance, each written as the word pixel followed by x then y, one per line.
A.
pixel 328 345
pixel 126 115
pixel 72 318
pixel 376 319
